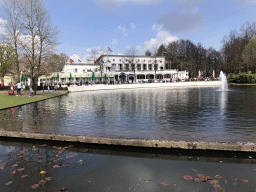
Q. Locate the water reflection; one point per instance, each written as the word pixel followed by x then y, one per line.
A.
pixel 193 114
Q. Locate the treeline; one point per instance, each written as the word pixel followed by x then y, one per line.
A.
pixel 237 55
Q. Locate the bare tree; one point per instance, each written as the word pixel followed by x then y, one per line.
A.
pixel 39 38
pixel 13 28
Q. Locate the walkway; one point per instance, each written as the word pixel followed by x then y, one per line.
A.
pixel 96 87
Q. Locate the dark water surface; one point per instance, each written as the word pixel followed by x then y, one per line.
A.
pixel 82 168
pixel 192 114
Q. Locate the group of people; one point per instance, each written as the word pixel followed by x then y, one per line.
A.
pixel 19 86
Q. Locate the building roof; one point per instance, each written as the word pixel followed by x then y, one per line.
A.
pixel 129 56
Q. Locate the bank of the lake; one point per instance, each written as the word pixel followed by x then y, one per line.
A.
pixel 98 87
pixel 8 101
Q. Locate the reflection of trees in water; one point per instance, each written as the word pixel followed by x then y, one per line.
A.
pixel 35 117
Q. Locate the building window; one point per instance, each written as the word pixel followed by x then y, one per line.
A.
pixel 139 67
pixel 127 67
pixel 144 67
pixel 113 59
pixel 119 59
pixel 150 67
pixel 75 70
pixel 83 70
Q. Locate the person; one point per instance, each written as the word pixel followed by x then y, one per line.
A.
pixel 11 92
pixel 31 92
pixel 18 89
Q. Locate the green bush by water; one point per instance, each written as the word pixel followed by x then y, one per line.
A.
pixel 242 78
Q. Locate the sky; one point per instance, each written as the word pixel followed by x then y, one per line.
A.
pixel 86 25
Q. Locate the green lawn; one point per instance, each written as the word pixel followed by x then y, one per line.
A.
pixel 10 101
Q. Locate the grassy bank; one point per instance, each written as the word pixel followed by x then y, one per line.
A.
pixel 11 101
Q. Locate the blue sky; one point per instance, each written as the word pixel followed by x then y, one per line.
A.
pixel 91 24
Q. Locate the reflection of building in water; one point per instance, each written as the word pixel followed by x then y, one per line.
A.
pixel 118 68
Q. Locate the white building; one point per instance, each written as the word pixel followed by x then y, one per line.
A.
pixel 118 68
pixel 138 68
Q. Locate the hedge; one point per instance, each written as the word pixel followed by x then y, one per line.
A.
pixel 242 78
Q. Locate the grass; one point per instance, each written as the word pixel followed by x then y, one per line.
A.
pixel 12 101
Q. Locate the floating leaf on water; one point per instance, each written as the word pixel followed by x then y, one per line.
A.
pixel 81 161
pixel 194 170
pixel 59 152
pixel 147 181
pixel 63 189
pixel 164 183
pixel 21 169
pixel 68 163
pixel 43 145
pixel 23 176
pixel 56 166
pixel 54 147
pixel 43 172
pixel 218 177
pixel 2 166
pixel 71 146
pixel 85 150
pixel 203 178
pixel 41 182
pixel 213 181
pixel 244 180
pixel 35 186
pixel 187 177
pixel 8 183
pixel 48 178
pixel 226 182
pixel 209 178
pixel 217 186
pixel 197 179
pixel 13 172
pixel 40 156
pixel 39 161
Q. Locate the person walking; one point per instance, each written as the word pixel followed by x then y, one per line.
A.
pixel 31 92
pixel 18 89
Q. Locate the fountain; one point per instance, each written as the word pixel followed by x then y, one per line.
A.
pixel 224 83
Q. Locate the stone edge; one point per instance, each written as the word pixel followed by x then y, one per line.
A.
pixel 211 146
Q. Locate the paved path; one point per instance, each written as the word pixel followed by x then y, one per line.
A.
pixel 143 85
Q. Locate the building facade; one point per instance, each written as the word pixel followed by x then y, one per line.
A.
pixel 139 68
pixel 118 68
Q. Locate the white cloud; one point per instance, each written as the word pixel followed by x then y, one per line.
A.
pixel 162 37
pixel 122 28
pixel 75 57
pixel 132 26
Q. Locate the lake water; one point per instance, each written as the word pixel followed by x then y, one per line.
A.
pixel 50 166
pixel 190 114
